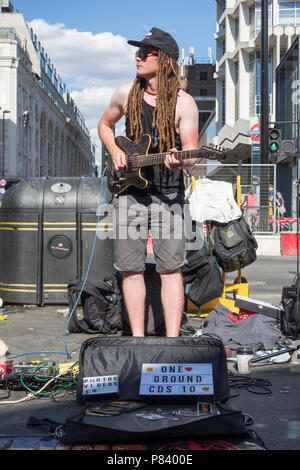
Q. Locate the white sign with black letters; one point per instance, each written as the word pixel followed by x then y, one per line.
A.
pixel 100 385
pixel 177 379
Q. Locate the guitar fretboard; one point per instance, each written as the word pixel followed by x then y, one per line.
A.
pixel 159 158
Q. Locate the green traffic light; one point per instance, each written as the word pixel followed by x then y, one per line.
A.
pixel 274 147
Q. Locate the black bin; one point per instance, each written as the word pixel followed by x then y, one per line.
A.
pixel 47 235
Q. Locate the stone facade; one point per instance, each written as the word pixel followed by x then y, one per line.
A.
pixel 43 132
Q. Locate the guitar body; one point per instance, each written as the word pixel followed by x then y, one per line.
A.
pixel 137 157
pixel 131 176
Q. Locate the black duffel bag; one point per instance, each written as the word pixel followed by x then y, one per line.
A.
pixel 125 358
pixel 202 276
pixel 101 303
pixel 130 427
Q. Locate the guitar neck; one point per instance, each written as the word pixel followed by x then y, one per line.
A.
pixel 159 158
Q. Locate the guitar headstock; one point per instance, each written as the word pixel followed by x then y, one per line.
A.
pixel 213 152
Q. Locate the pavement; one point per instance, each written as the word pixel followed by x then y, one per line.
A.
pixel 39 333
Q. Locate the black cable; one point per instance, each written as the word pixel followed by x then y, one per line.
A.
pixel 67 394
pixel 254 385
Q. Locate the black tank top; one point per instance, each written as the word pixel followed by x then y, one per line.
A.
pixel 161 179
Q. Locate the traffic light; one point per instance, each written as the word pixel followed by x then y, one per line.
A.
pixel 274 141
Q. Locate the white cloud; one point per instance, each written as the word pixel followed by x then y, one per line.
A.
pixel 84 55
pixel 91 65
pixel 91 102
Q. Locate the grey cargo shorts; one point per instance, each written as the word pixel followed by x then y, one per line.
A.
pixel 137 216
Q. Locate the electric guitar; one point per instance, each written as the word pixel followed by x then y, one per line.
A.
pixel 137 157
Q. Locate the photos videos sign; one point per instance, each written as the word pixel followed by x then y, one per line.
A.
pixel 100 385
pixel 177 379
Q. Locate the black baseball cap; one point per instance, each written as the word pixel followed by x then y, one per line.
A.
pixel 161 40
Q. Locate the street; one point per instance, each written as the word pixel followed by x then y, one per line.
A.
pixel 267 276
pixel 41 331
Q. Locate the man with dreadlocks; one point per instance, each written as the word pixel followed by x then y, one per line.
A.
pixel 153 104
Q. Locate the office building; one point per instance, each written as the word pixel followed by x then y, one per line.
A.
pixel 197 79
pixel 238 77
pixel 287 113
pixel 238 43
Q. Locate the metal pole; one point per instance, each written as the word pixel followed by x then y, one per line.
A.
pixel 264 105
pixel 2 117
pixel 3 143
pixel 297 217
pixel 264 91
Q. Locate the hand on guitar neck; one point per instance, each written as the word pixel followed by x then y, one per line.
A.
pixel 172 162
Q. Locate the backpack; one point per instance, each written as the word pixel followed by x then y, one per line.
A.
pixel 233 244
pixel 290 300
pixel 101 306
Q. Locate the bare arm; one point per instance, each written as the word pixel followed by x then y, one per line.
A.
pixel 187 117
pixel 110 117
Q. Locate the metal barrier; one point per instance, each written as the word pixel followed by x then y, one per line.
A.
pixel 263 220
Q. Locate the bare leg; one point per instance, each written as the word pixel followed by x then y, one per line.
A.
pixel 172 297
pixel 249 221
pixel 134 292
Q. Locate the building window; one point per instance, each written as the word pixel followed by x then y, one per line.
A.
pixel 203 117
pixel 203 76
pixel 223 110
pixel 42 144
pixel 289 13
pixel 287 102
pixel 43 62
pixel 203 92
pixel 255 77
pixel 258 16
pixel 223 47
pixel 62 155
pixel 237 28
pixel 50 149
pixel 56 153
pixel 237 90
pixel 252 20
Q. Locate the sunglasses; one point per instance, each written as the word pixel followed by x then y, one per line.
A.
pixel 144 53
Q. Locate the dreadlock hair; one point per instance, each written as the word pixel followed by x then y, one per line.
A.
pixel 167 86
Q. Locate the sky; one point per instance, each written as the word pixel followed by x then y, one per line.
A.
pixel 86 41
